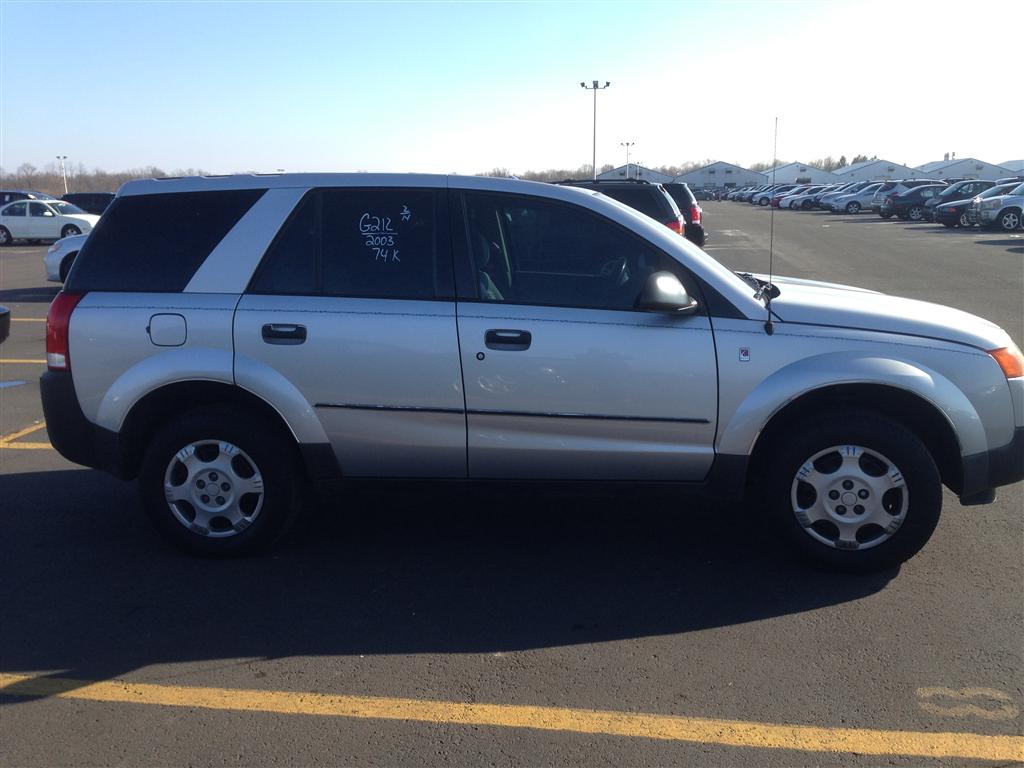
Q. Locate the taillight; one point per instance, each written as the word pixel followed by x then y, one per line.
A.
pixel 695 212
pixel 676 225
pixel 58 320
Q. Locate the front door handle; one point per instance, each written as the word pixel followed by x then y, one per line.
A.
pixel 284 333
pixel 507 340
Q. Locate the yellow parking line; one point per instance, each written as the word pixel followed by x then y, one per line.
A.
pixel 7 441
pixel 21 360
pixel 733 733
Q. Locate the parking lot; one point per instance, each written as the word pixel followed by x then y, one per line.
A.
pixel 531 625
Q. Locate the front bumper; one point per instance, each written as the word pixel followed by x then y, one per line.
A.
pixel 986 471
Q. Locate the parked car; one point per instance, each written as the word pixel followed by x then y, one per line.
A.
pixel 61 256
pixel 693 214
pixel 319 326
pixel 909 205
pixel 700 193
pixel 1003 211
pixel 778 196
pixel 36 220
pixel 958 191
pixel 892 189
pixel 976 201
pixel 90 202
pixel 650 199
pixel 825 201
pixel 803 200
pixel 765 196
pixel 11 195
pixel 5 323
pixel 852 203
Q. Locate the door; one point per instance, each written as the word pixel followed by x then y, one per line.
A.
pixel 564 378
pixel 15 219
pixel 42 221
pixel 353 305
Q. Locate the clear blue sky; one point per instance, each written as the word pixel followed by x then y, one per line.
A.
pixel 468 86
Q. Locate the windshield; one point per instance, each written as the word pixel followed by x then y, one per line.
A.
pixel 65 209
pixel 1002 189
pixel 1018 190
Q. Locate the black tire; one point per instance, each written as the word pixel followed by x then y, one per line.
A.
pixel 874 433
pixel 69 230
pixel 885 215
pixel 271 450
pixel 915 213
pixel 947 225
pixel 806 205
pixel 5 236
pixel 1009 220
pixel 964 221
pixel 65 266
pixel 853 207
pixel 763 201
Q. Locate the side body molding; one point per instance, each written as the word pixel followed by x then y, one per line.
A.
pixel 835 368
pixel 283 396
pixel 168 367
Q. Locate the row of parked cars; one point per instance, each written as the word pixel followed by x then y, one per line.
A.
pixel 953 202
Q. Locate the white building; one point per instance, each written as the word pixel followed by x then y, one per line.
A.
pixel 721 175
pixel 634 171
pixel 871 170
pixel 798 173
pixel 962 168
pixel 1016 167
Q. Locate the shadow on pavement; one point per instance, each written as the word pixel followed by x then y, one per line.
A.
pixel 38 295
pixel 89 590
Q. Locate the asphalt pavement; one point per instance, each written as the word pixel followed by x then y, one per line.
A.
pixel 536 625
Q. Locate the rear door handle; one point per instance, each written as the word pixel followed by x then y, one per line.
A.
pixel 507 340
pixel 284 333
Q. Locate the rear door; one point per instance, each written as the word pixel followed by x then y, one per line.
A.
pixel 353 305
pixel 15 218
pixel 564 378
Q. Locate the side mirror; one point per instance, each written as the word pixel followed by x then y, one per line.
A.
pixel 664 293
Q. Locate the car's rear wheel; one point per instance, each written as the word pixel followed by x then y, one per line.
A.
pixel 916 213
pixel 853 490
pixel 221 481
pixel 885 214
pixel 5 236
pixel 806 205
pixel 1009 220
pixel 763 201
pixel 853 207
pixel 69 230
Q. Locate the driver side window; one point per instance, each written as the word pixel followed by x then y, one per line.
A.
pixel 527 250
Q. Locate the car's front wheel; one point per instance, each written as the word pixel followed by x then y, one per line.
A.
pixel 221 481
pixel 855 491
pixel 916 213
pixel 853 207
pixel 69 230
pixel 1009 220
pixel 964 221
pixel 5 236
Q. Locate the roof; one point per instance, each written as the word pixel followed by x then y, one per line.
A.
pixel 1013 165
pixel 938 165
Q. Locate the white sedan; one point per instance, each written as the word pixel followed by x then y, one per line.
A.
pixel 43 220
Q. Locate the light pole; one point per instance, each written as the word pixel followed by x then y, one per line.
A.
pixel 627 145
pixel 595 88
pixel 63 171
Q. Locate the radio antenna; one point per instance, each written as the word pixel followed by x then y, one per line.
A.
pixel 768 327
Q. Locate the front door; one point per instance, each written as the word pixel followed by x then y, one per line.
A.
pixel 42 221
pixel 564 377
pixel 353 305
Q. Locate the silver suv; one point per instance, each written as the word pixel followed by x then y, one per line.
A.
pixel 297 330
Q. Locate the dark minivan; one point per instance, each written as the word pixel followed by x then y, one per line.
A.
pixel 90 202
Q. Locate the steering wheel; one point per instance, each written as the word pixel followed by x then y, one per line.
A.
pixel 617 269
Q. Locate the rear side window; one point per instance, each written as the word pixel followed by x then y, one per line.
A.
pixel 369 243
pixel 155 243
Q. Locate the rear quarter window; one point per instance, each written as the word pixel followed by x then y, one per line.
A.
pixel 155 243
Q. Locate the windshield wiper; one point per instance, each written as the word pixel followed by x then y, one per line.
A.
pixel 764 288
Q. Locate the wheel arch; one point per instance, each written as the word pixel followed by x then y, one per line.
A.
pixel 917 413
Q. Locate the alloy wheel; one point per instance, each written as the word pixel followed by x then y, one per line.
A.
pixel 849 497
